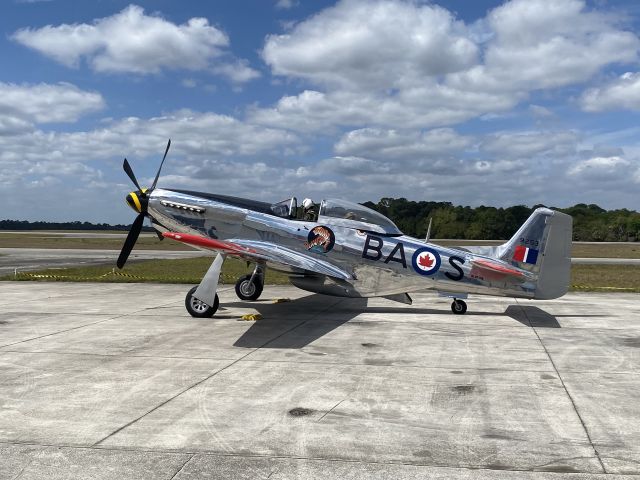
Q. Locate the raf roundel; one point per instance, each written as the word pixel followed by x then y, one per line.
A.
pixel 426 261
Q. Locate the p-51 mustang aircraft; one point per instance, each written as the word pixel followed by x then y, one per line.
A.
pixel 344 249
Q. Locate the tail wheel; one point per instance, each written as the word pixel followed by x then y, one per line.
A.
pixel 459 307
pixel 248 290
pixel 199 309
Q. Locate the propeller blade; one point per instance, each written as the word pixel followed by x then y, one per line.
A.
pixel 129 172
pixel 131 240
pixel 161 163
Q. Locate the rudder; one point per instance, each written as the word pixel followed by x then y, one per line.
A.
pixel 543 246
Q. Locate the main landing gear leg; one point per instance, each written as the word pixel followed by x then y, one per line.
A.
pixel 458 307
pixel 202 301
pixel 249 287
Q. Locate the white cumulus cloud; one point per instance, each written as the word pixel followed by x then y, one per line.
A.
pixel 212 151
pixel 531 144
pixel 622 93
pixel 134 42
pixel 237 72
pixel 406 64
pixel 44 103
pixel 601 168
pixel 402 145
pixel 380 44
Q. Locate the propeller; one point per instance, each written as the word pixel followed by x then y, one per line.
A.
pixel 132 237
pixel 138 201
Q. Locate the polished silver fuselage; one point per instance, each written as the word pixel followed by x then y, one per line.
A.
pixel 374 263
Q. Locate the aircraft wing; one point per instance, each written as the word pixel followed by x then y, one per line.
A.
pixel 258 250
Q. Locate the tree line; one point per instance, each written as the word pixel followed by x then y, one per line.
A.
pixel 590 222
pixel 76 225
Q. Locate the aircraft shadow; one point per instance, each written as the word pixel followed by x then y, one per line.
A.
pixel 274 332
pixel 535 317
pixel 532 316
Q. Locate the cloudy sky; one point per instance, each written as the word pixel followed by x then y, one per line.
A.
pixel 497 103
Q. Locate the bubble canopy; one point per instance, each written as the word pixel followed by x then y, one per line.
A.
pixel 353 215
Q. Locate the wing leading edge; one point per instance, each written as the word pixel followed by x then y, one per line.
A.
pixel 263 251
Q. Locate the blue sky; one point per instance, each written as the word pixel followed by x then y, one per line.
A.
pixel 484 102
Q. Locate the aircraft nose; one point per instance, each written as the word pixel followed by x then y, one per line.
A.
pixel 133 200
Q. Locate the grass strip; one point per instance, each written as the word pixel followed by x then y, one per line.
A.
pixel 187 270
pixel 605 278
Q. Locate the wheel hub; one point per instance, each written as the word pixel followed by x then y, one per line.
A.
pixel 247 288
pixel 198 305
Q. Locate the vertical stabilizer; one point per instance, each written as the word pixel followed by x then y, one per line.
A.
pixel 543 246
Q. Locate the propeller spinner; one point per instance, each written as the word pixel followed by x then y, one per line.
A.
pixel 138 201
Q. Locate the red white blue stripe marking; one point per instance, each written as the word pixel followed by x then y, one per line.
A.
pixel 525 255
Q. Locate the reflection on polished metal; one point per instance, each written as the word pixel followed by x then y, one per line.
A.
pixel 348 250
pixel 370 256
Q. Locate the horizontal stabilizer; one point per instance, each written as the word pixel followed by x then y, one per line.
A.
pixel 498 268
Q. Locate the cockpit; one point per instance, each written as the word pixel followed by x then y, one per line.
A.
pixel 353 215
pixel 286 208
pixel 338 212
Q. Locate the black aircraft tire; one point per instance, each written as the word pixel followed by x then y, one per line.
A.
pixel 459 307
pixel 198 309
pixel 247 291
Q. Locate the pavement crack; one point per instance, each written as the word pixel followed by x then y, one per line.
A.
pixel 199 382
pixel 573 403
pixel 162 404
pixel 78 327
pixel 60 331
pixel 183 465
pixel 19 473
pixel 329 459
pixel 331 409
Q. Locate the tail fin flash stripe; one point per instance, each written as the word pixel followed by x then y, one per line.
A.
pixel 525 255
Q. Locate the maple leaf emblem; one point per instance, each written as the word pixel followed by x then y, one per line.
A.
pixel 425 261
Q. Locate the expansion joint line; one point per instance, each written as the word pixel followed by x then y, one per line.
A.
pixel 183 465
pixel 564 386
pixel 199 382
pixel 51 334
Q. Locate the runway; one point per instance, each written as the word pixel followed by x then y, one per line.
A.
pixel 77 234
pixel 605 261
pixel 30 259
pixel 116 381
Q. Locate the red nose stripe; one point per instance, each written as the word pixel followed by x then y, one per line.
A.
pixel 210 243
